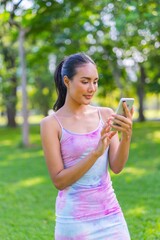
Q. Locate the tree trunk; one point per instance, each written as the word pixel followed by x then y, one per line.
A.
pixel 141 93
pixel 11 104
pixel 25 125
pixel 10 95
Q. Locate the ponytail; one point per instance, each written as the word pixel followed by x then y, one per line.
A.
pixel 60 87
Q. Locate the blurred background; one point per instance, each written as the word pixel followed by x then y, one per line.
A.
pixel 123 38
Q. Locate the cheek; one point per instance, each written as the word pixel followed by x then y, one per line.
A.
pixel 74 92
pixel 77 89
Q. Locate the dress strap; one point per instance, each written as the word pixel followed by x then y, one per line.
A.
pixel 100 116
pixel 54 115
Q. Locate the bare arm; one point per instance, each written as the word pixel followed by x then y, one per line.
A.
pixel 60 176
pixel 119 150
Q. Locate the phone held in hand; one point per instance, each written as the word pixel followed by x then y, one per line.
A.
pixel 129 102
pixel 120 110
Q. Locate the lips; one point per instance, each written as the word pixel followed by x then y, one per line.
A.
pixel 88 96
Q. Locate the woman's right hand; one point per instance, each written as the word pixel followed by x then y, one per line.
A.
pixel 106 136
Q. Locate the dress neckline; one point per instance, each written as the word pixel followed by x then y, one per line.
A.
pixel 101 123
pixel 86 133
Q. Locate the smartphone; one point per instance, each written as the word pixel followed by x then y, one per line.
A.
pixel 129 102
pixel 120 110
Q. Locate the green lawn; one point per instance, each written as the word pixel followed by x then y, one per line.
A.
pixel 27 196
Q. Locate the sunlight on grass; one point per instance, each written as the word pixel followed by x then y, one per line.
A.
pixel 151 231
pixel 134 145
pixel 7 161
pixel 6 143
pixel 33 119
pixel 154 136
pixel 134 171
pixel 29 182
pixel 138 211
pixel 152 114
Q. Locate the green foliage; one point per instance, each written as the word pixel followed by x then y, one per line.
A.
pixel 28 197
pixel 119 35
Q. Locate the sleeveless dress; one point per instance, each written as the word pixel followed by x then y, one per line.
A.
pixel 88 209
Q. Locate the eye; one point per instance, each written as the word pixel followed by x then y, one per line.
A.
pixel 96 82
pixel 84 82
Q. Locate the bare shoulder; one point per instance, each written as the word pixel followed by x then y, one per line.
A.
pixel 48 120
pixel 105 112
pixel 49 125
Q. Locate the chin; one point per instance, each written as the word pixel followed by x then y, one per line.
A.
pixel 84 101
pixel 87 102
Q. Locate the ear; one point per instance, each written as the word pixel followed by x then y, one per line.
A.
pixel 66 81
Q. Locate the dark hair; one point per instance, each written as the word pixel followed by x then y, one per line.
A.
pixel 67 67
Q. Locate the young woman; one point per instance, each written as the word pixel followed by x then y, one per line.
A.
pixel 79 145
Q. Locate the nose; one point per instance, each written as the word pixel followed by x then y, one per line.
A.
pixel 91 87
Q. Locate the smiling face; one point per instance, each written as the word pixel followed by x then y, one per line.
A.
pixel 83 85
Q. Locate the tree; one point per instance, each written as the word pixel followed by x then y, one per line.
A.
pixel 9 78
pixel 139 33
pixel 122 37
pixel 11 112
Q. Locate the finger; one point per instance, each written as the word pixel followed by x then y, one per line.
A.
pixel 128 132
pixel 106 128
pixel 111 134
pixel 132 111
pixel 122 126
pixel 122 121
pixel 108 136
pixel 120 118
pixel 109 120
pixel 105 138
pixel 126 110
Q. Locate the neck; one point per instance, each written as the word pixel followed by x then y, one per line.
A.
pixel 73 107
pixel 77 111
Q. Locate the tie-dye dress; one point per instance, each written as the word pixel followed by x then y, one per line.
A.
pixel 88 209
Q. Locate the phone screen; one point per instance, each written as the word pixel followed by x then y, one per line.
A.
pixel 129 102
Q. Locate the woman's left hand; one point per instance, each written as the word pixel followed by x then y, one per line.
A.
pixel 124 123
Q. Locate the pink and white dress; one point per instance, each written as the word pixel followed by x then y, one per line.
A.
pixel 88 209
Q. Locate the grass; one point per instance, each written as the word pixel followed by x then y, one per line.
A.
pixel 26 193
pixel 27 196
pixel 137 187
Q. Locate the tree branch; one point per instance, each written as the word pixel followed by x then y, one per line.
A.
pixel 12 14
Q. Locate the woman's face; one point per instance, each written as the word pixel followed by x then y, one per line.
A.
pixel 84 84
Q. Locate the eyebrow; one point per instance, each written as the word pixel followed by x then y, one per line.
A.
pixel 88 78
